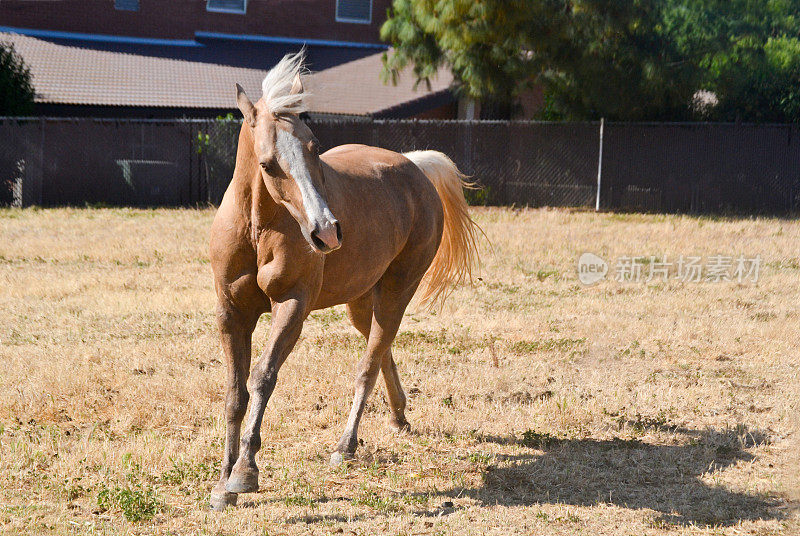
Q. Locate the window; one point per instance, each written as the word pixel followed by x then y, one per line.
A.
pixel 126 5
pixel 227 6
pixel 354 11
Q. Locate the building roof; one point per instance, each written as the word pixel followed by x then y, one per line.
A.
pixel 356 88
pixel 78 72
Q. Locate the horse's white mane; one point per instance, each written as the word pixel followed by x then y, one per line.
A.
pixel 277 85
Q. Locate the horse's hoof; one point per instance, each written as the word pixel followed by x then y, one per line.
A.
pixel 242 481
pixel 221 498
pixel 338 458
pixel 398 425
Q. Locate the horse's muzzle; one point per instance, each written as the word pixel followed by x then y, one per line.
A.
pixel 327 237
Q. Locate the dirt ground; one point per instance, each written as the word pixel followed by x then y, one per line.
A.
pixel 539 405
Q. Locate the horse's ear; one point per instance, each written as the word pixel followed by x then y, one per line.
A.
pixel 245 106
pixel 297 85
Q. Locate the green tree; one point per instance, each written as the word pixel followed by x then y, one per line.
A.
pixel 16 89
pixel 746 51
pixel 594 57
pixel 491 46
pixel 619 59
pixel 616 62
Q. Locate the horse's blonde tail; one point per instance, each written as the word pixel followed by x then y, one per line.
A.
pixel 457 255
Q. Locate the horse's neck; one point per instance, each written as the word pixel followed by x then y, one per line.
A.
pixel 255 203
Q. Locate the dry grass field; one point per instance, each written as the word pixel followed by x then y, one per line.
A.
pixel 538 405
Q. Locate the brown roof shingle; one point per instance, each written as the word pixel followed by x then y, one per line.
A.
pixel 65 74
pixel 356 88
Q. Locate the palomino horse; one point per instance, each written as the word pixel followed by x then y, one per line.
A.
pixel 298 231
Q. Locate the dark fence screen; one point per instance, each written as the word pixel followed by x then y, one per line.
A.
pixel 88 161
pixel 701 168
pixel 523 163
pixel 644 167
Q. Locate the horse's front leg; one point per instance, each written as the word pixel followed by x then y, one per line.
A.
pixel 236 331
pixel 287 323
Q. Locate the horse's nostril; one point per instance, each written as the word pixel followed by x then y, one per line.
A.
pixel 338 231
pixel 316 239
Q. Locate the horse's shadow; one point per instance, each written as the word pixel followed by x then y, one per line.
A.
pixel 680 481
pixel 675 480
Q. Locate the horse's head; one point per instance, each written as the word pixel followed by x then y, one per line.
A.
pixel 288 153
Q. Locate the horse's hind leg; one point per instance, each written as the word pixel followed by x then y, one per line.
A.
pixel 388 308
pixel 236 334
pixel 360 314
pixel 397 398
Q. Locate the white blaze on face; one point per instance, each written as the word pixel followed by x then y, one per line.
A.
pixel 319 215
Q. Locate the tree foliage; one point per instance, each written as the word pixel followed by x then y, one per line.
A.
pixel 619 59
pixel 487 44
pixel 746 51
pixel 615 62
pixel 16 89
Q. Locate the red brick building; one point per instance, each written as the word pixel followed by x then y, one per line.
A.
pixel 357 21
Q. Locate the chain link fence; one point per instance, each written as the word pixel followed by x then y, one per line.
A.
pixel 97 161
pixel 701 168
pixel 522 163
pixel 644 167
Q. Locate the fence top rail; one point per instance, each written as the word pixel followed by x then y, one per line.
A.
pixel 335 120
pixel 56 119
pixel 316 119
pixel 696 124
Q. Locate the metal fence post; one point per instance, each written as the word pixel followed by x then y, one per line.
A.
pixel 600 165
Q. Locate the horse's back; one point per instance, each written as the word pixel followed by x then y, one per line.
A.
pixel 389 213
pixel 367 162
pixel 384 182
